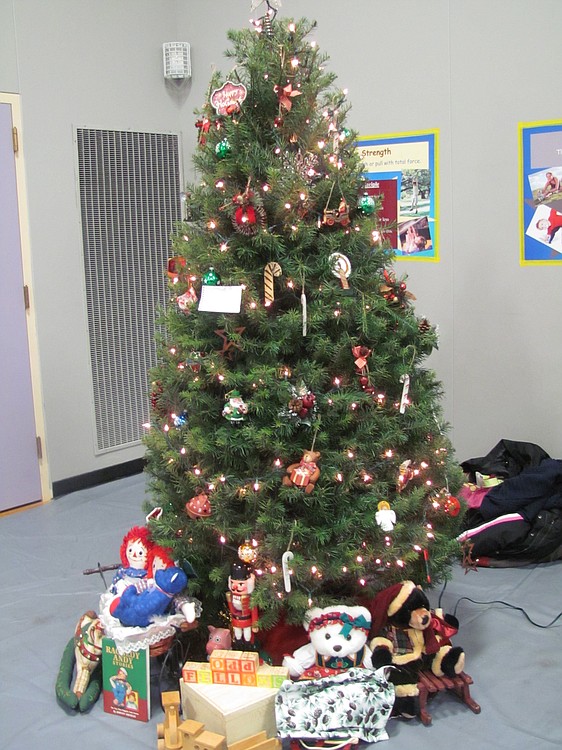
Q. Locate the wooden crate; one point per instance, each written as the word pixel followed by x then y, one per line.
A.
pixel 232 710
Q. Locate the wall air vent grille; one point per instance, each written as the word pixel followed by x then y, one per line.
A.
pixel 130 200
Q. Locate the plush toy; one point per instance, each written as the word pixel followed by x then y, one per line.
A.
pixel 81 658
pixel 133 552
pixel 219 638
pixel 338 641
pixel 412 637
pixel 305 473
pixel 138 608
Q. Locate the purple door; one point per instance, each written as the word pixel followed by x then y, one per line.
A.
pixel 20 480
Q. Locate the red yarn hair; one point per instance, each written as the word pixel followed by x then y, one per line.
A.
pixel 139 533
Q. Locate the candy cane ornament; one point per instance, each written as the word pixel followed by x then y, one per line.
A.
pixel 271 270
pixel 285 559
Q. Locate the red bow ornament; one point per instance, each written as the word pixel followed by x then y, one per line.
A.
pixel 285 94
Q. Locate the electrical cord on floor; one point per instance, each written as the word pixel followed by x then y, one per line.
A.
pixel 498 601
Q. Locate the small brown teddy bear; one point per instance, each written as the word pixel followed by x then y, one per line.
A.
pixel 305 473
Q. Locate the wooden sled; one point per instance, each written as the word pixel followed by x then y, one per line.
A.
pixel 429 685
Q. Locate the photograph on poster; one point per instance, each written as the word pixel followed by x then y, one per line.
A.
pixel 385 187
pixel 405 162
pixel 540 180
pixel 546 185
pixel 546 227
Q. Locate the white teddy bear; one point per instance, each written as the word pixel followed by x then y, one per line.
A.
pixel 338 641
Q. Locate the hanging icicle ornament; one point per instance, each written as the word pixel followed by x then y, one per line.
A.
pixel 304 310
pixel 271 270
pixel 405 380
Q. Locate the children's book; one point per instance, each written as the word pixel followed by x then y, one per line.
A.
pixel 126 682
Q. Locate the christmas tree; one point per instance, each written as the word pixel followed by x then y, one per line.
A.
pixel 294 428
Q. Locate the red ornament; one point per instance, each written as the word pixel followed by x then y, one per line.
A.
pixel 360 353
pixel 245 215
pixel 198 507
pixel 248 218
pixel 452 506
pixel 176 267
pixel 203 125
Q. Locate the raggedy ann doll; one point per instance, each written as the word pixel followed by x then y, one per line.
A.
pixel 134 561
pixel 164 581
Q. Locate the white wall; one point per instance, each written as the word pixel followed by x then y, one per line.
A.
pixel 472 69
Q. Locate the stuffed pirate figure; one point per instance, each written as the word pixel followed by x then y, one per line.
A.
pixel 243 616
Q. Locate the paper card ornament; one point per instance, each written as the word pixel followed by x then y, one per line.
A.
pixel 220 299
pixel 228 98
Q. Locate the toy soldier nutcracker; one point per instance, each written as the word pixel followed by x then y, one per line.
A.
pixel 242 615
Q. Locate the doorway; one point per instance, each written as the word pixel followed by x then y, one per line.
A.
pixel 24 476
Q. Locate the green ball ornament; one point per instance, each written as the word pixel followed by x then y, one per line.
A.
pixel 366 204
pixel 211 277
pixel 223 149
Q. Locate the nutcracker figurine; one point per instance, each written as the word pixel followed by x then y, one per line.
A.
pixel 243 615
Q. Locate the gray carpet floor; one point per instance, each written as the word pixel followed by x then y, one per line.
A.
pixel 516 664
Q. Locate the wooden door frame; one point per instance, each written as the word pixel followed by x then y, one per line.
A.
pixel 46 487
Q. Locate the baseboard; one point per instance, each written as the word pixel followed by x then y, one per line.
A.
pixel 100 476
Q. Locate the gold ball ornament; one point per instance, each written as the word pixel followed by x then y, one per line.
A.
pixel 247 553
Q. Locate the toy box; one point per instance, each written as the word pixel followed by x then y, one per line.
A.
pixel 232 710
